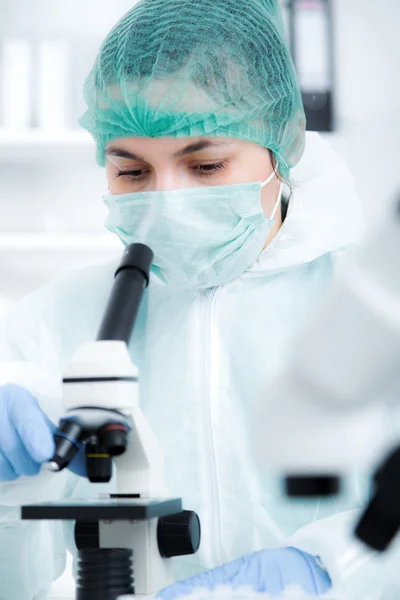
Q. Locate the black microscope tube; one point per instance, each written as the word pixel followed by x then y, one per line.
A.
pixel 131 279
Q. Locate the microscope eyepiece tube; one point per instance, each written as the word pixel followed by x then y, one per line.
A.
pixel 131 279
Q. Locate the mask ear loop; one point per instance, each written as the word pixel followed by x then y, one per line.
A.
pixel 266 182
pixel 270 178
pixel 278 201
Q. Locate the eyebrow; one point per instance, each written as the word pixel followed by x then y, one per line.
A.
pixel 195 147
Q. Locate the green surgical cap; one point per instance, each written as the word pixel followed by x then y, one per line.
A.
pixel 178 68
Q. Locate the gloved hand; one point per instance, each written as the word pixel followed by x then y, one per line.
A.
pixel 26 435
pixel 269 571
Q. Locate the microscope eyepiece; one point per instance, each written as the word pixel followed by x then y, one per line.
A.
pixel 131 279
pixel 137 257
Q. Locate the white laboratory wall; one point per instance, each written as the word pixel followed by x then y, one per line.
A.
pixel 80 18
pixel 51 212
pixel 367 61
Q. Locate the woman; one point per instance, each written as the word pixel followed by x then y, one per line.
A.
pixel 197 115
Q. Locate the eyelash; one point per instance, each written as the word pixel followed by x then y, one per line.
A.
pixel 201 170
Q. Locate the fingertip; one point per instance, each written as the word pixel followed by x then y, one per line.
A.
pixel 37 436
pixel 42 445
pixel 30 468
pixel 12 390
pixel 53 428
pixel 7 473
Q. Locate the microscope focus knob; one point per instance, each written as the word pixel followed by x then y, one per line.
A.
pixel 179 534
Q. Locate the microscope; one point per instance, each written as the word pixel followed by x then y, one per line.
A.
pixel 125 540
pixel 331 408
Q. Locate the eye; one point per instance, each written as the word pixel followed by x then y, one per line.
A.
pixel 134 175
pixel 206 170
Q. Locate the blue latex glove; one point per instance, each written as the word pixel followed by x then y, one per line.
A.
pixel 26 435
pixel 269 571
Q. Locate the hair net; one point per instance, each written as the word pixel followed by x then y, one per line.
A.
pixel 178 68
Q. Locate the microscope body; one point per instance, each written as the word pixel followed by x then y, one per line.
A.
pixel 127 539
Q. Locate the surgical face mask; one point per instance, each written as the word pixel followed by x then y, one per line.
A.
pixel 201 237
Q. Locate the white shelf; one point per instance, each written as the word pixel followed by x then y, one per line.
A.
pixel 43 137
pixel 58 241
pixel 38 145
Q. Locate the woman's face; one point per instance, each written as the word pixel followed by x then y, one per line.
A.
pixel 141 164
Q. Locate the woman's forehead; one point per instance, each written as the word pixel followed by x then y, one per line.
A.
pixel 174 147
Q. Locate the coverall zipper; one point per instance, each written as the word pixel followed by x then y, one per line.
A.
pixel 209 304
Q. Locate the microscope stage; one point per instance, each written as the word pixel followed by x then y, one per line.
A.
pixel 110 509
